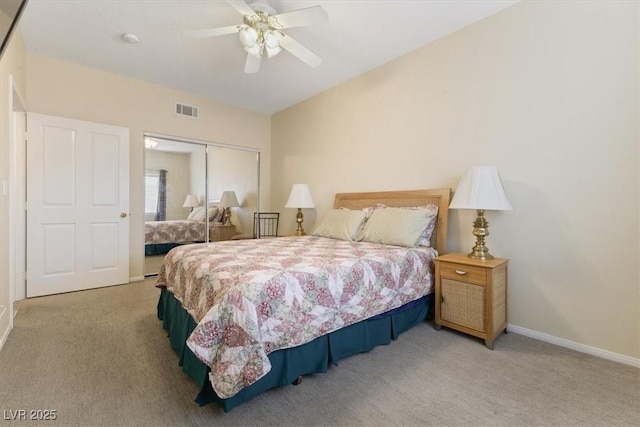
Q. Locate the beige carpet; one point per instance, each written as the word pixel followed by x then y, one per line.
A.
pixel 101 358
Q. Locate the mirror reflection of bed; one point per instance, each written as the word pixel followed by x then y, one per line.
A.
pixel 178 175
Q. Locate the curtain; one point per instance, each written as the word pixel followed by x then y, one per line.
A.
pixel 161 211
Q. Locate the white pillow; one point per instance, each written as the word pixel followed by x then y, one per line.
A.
pixel 197 214
pixel 425 237
pixel 340 224
pixel 396 226
pixel 213 212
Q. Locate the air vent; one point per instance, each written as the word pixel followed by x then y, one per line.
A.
pixel 187 110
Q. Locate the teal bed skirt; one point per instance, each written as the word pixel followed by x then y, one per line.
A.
pixel 288 364
pixel 159 248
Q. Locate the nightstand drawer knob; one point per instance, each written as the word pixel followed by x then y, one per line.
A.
pixel 461 272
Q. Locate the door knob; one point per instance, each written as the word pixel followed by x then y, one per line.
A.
pixel 123 214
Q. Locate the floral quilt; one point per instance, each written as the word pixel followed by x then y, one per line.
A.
pixel 252 297
pixel 173 231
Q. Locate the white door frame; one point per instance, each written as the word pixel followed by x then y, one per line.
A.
pixel 17 199
pixel 16 176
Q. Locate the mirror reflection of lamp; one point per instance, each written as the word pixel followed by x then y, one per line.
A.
pixel 150 143
pixel 191 201
pixel 228 201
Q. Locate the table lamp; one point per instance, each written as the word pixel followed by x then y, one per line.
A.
pixel 300 197
pixel 481 189
pixel 191 201
pixel 228 201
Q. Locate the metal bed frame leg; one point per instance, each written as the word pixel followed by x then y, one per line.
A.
pixel 297 380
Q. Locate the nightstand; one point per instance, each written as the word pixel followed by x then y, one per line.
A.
pixel 221 232
pixel 471 295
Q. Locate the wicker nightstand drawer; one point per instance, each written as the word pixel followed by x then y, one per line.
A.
pixel 467 273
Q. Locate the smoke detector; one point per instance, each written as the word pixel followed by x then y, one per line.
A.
pixel 131 38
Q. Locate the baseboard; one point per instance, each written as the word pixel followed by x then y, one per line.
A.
pixel 136 279
pixel 582 348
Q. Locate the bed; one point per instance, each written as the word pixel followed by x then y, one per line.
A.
pixel 174 231
pixel 162 236
pixel 249 315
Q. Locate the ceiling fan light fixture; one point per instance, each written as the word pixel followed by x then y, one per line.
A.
pixel 255 50
pixel 261 31
pixel 272 51
pixel 248 37
pixel 272 39
pixel 150 143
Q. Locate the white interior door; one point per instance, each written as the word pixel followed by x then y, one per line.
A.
pixel 77 205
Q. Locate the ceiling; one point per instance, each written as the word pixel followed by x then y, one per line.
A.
pixel 359 36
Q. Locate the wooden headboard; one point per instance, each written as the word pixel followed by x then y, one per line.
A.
pixel 439 197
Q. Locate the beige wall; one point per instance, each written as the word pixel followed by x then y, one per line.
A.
pixel 64 89
pixel 11 65
pixel 545 91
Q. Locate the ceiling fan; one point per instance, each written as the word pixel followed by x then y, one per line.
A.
pixel 261 31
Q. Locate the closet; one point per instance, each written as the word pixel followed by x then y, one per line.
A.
pixel 184 184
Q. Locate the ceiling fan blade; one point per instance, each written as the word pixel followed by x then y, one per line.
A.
pixel 253 64
pixel 300 17
pixel 242 7
pixel 296 49
pixel 212 32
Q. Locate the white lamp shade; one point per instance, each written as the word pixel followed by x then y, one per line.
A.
pixel 248 37
pixel 271 39
pixel 481 188
pixel 229 199
pixel 300 197
pixel 271 52
pixel 191 201
pixel 254 50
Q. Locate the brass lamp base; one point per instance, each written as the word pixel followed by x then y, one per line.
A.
pixel 480 230
pixel 299 219
pixel 226 217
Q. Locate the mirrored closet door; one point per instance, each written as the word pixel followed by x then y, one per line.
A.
pixel 189 187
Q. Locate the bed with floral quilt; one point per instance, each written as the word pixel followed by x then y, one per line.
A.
pixel 245 316
pixel 174 231
pixel 162 236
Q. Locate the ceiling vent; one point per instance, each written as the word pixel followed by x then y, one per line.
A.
pixel 187 110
